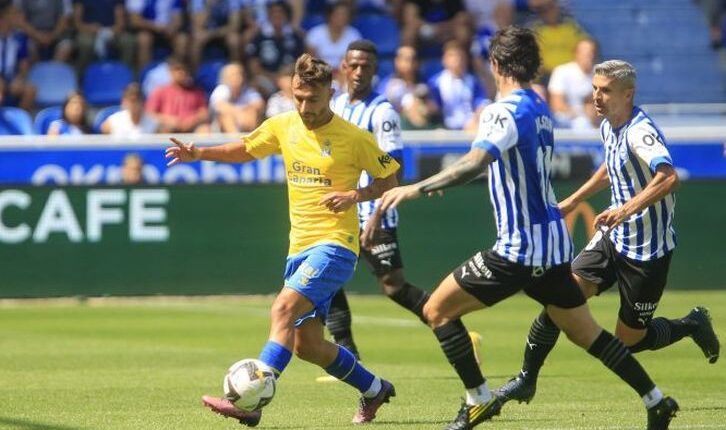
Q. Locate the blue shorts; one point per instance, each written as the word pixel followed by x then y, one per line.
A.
pixel 318 273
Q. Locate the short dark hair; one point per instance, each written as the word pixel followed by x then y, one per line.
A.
pixel 133 90
pixel 281 4
pixel 364 45
pixel 516 52
pixel 311 70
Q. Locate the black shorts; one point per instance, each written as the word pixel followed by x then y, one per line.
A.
pixel 384 256
pixel 641 283
pixel 492 278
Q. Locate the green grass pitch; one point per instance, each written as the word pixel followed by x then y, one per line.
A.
pixel 144 363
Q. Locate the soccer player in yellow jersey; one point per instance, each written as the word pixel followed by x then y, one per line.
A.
pixel 324 156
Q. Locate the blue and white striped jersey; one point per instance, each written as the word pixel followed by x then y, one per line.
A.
pixel 378 116
pixel 632 154
pixel 517 132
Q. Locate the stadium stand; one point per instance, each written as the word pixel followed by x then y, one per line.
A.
pixel 681 71
pixel 667 42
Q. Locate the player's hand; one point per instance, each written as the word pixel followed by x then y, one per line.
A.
pixel 439 193
pixel 366 235
pixel 609 219
pixel 371 228
pixel 395 196
pixel 339 201
pixel 181 152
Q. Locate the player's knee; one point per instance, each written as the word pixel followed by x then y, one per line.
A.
pixel 629 336
pixel 281 311
pixel 434 315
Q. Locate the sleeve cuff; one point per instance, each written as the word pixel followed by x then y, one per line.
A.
pixel 657 161
pixel 488 147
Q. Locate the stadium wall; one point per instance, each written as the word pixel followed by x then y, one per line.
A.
pixel 219 239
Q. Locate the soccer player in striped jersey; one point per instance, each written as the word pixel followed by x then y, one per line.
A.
pixel 371 111
pixel 324 157
pixel 635 240
pixel 533 248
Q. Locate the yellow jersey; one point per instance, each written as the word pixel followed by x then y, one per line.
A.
pixel 557 42
pixel 317 162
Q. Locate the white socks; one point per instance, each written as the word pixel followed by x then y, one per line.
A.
pixel 652 398
pixel 479 395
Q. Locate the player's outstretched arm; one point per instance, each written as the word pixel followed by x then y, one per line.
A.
pixel 663 183
pixel 181 152
pixel 597 182
pixel 463 171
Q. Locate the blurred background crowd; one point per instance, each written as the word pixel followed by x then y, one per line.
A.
pixel 132 67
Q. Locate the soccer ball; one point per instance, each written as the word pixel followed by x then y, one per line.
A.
pixel 249 384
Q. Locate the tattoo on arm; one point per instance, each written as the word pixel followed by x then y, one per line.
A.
pixel 463 171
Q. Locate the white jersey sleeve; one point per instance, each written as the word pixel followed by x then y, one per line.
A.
pixel 649 145
pixel 497 130
pixel 387 128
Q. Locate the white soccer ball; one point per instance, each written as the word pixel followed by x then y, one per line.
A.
pixel 249 384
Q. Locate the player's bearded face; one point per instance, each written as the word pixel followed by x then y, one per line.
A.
pixel 312 102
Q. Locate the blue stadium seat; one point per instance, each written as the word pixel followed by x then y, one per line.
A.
pixel 104 82
pixel 102 115
pixel 15 121
pixel 381 30
pixel 208 75
pixel 54 80
pixel 45 117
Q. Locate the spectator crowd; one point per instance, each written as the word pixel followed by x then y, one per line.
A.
pixel 132 67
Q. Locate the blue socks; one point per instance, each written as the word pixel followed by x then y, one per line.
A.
pixel 346 368
pixel 276 356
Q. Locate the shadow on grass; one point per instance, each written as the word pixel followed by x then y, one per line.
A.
pixel 17 423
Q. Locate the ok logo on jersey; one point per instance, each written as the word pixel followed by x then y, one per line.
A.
pixel 651 138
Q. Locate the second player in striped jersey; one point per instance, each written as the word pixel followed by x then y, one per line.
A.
pixel 371 111
pixel 533 248
pixel 634 245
